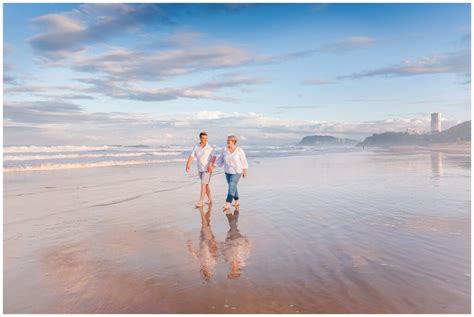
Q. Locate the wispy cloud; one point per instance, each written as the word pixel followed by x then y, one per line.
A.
pixel 36 88
pixel 458 62
pixel 368 100
pixel 315 82
pixel 296 107
pixel 345 45
pixel 127 90
pixel 61 112
pixel 131 64
pixel 68 96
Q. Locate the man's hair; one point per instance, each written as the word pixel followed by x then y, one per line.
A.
pixel 202 133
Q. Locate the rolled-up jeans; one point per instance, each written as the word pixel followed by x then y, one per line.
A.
pixel 232 193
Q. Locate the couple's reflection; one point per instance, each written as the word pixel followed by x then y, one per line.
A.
pixel 206 254
pixel 235 249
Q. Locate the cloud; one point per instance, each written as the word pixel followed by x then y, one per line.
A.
pixel 315 82
pixel 465 40
pixel 59 122
pixel 123 73
pixel 368 100
pixel 68 32
pixel 345 45
pixel 64 38
pixel 60 112
pixel 39 112
pixel 296 107
pixel 71 31
pixel 53 120
pixel 458 62
pixel 177 40
pixel 120 89
pixel 69 96
pixel 127 90
pixel 8 77
pixel 180 54
pixel 131 64
pixel 32 88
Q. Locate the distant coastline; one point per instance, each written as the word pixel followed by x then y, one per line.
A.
pixel 456 138
pixel 460 133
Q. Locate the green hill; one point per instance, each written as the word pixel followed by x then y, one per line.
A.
pixel 325 140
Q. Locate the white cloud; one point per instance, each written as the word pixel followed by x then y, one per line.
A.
pixel 69 32
pixel 152 66
pixel 458 62
pixel 132 91
pixel 27 120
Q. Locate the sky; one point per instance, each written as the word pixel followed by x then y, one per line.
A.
pixel 87 74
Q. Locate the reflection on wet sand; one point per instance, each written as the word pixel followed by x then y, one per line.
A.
pixel 236 247
pixel 206 254
pixel 437 164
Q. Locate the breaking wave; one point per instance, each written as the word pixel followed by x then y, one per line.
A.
pixel 53 166
pixel 88 155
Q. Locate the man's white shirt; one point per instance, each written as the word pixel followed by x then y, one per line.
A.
pixel 203 156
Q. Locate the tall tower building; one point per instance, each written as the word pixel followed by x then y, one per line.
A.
pixel 435 122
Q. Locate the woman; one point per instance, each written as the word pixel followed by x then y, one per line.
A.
pixel 235 165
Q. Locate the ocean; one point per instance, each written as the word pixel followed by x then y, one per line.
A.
pixel 37 158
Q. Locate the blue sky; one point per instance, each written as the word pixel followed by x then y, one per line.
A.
pixel 147 73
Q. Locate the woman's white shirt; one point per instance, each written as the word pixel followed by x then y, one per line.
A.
pixel 234 163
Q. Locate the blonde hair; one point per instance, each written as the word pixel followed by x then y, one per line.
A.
pixel 232 138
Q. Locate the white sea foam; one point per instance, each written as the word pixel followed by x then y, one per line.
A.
pixel 52 166
pixel 60 149
pixel 87 155
pixel 34 158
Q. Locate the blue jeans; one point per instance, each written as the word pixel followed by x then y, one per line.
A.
pixel 232 180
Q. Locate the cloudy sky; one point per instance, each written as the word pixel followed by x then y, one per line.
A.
pixel 154 74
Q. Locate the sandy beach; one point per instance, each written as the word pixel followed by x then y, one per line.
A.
pixel 357 232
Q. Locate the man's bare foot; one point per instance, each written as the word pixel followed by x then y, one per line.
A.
pixel 199 204
pixel 236 203
pixel 209 202
pixel 226 206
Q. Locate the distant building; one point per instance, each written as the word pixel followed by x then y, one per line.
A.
pixel 435 122
pixel 414 131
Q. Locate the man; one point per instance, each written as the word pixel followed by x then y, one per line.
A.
pixel 205 158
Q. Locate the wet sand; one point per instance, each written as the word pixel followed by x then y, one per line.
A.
pixel 361 232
